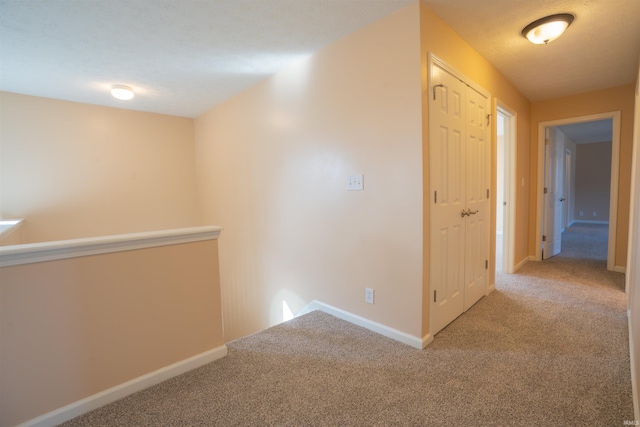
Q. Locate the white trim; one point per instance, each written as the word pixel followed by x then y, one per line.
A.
pixel 613 193
pixel 579 221
pixel 510 176
pixel 434 60
pixel 8 226
pixel 634 384
pixel 619 269
pixel 490 288
pixel 112 394
pixel 379 328
pixel 426 340
pixel 521 263
pixel 49 251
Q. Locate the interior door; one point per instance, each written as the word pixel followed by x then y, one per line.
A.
pixel 553 197
pixel 477 203
pixel 567 190
pixel 459 178
pixel 446 141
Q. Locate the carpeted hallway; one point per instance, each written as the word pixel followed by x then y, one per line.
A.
pixel 549 347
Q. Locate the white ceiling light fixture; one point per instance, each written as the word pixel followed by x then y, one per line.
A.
pixel 122 92
pixel 548 28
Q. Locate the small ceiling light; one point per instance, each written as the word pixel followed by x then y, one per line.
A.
pixel 122 92
pixel 548 28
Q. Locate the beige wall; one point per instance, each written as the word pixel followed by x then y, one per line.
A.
pixel 74 327
pixel 77 170
pixel 272 169
pixel 602 101
pixel 437 37
pixel 593 178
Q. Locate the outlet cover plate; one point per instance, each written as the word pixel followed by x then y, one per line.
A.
pixel 355 183
pixel 368 295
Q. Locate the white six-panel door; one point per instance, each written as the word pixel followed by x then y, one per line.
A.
pixel 459 179
pixel 553 196
pixel 447 123
pixel 477 177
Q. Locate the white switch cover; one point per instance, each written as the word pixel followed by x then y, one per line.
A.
pixel 354 183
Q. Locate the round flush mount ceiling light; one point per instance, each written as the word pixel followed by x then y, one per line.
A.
pixel 122 92
pixel 548 28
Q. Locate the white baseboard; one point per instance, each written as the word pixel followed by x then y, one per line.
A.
pixel 379 328
pixel 634 384
pixel 491 288
pixel 586 221
pixel 112 394
pixel 620 269
pixel 519 265
pixel 426 340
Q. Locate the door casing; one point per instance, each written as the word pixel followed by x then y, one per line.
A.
pixel 511 156
pixel 613 200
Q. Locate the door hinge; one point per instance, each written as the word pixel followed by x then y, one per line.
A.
pixel 487 193
pixel 435 196
pixel 545 190
pixel 486 264
pixel 544 238
pixel 434 90
pixel 489 119
pixel 546 141
pixel 434 296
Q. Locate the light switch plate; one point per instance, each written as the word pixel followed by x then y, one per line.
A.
pixel 355 183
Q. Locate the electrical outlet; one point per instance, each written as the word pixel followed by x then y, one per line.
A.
pixel 581 213
pixel 595 213
pixel 354 183
pixel 368 295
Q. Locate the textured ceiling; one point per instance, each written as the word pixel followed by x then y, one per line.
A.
pixel 182 57
pixel 588 132
pixel 185 56
pixel 599 50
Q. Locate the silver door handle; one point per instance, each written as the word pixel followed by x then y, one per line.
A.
pixel 562 199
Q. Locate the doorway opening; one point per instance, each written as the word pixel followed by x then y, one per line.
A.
pixel 577 175
pixel 505 187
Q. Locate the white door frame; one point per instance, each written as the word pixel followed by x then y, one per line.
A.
pixel 509 230
pixel 568 161
pixel 613 192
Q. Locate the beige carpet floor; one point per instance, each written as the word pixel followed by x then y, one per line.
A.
pixel 549 347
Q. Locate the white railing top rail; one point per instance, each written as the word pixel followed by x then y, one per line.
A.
pixel 61 249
